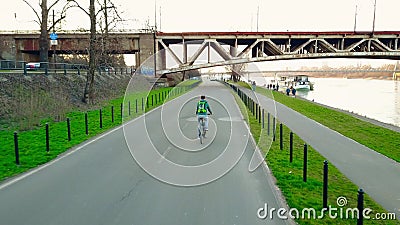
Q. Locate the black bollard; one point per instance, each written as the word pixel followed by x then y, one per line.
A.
pixel 47 138
pixel 86 124
pixel 16 148
pixel 360 207
pixel 274 128
pixel 263 119
pixel 305 164
pixel 122 109
pixel 152 100
pixel 142 104
pixel 136 107
pixel 101 118
pixel 112 114
pixel 281 136
pixel 325 187
pixel 129 108
pixel 291 147
pixel 259 114
pixel 69 129
pixel 269 121
pixel 256 110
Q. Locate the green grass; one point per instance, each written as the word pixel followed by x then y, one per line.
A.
pixel 289 176
pixel 382 140
pixel 32 143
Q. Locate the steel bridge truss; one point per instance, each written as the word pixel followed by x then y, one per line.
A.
pixel 277 46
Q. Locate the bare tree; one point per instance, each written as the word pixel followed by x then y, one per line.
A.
pixel 109 19
pixel 42 21
pixel 88 94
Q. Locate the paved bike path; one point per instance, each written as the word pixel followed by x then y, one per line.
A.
pixel 102 184
pixel 376 174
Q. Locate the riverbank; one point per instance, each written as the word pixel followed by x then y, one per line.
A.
pixel 364 118
pixel 378 138
pixel 289 175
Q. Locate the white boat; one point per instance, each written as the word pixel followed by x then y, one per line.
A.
pixel 299 82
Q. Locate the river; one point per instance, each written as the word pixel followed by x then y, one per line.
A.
pixel 376 99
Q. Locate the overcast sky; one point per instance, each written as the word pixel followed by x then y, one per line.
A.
pixel 228 15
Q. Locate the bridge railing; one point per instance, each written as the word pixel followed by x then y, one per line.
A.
pixel 46 68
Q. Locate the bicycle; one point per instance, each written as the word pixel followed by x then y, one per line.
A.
pixel 202 129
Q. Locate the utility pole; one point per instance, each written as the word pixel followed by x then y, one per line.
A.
pixel 373 22
pixel 355 19
pixel 154 38
pixel 160 19
pixel 54 46
pixel 258 13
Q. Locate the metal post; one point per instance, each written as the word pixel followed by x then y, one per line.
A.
pixel 325 187
pixel 16 148
pixel 305 164
pixel 101 118
pixel 269 121
pixel 112 114
pixel 259 114
pixel 136 106
pixel 274 128
pixel 256 110
pixel 263 119
pixel 360 207
pixel 291 147
pixel 121 108
pixel 281 136
pixel 47 138
pixel 69 129
pixel 86 124
pixel 129 108
pixel 142 104
pixel 152 100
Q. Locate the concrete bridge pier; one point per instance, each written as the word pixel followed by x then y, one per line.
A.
pixel 149 46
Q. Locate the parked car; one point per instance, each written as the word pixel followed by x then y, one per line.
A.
pixel 109 69
pixel 32 66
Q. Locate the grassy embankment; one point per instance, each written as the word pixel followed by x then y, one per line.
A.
pixel 289 176
pixel 32 143
pixel 382 140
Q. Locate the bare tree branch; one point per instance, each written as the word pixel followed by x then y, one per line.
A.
pixel 79 6
pixel 55 22
pixel 54 3
pixel 34 10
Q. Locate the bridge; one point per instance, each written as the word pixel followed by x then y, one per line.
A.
pixel 230 47
pixel 268 46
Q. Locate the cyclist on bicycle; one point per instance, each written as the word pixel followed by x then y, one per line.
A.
pixel 201 110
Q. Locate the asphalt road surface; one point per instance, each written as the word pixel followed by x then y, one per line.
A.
pixel 151 171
